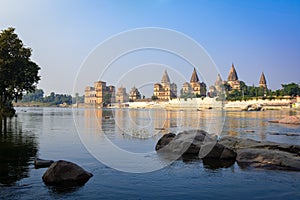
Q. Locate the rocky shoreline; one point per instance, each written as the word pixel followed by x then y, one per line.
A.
pixel 248 153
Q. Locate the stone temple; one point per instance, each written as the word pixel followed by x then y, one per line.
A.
pixel 262 81
pixel 233 79
pixel 165 90
pixel 194 87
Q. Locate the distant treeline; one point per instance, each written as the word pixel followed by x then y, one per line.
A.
pixel 250 92
pixel 52 99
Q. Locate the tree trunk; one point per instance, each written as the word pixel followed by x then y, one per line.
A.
pixel 0 124
pixel 4 125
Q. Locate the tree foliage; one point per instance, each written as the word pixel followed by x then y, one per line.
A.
pixel 291 89
pixel 53 99
pixel 18 73
pixel 250 92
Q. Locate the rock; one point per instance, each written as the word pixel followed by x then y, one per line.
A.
pixel 246 143
pixel 286 134
pixel 290 120
pixel 64 173
pixel 186 142
pixel 264 154
pixel 164 140
pixel 270 159
pixel 41 163
pixel 253 107
pixel 218 151
pixel 249 131
pixel 217 163
pixel 193 143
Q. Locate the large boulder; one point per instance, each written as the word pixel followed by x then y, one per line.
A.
pixel 264 154
pixel 164 140
pixel 194 143
pixel 64 173
pixel 235 144
pixel 270 159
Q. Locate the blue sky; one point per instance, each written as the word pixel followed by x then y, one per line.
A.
pixel 255 35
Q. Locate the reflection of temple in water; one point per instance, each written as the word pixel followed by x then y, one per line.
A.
pixel 240 123
pixel 99 119
pixel 165 120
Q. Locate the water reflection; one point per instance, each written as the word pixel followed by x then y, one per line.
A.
pixel 17 150
pixel 101 119
pixel 136 123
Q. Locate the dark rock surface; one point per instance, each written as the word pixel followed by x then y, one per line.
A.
pixel 164 140
pixel 194 143
pixel 270 159
pixel 41 163
pixel 264 154
pixel 64 173
pixel 223 153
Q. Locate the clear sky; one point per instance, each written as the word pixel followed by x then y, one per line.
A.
pixel 256 35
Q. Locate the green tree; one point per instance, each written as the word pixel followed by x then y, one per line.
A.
pixel 18 73
pixel 291 89
pixel 154 98
pixel 36 96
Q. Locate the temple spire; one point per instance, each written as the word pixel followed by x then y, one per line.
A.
pixel 262 81
pixel 232 74
pixel 219 80
pixel 165 78
pixel 194 77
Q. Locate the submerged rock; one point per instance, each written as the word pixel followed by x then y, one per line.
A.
pixel 41 163
pixel 64 173
pixel 290 120
pixel 217 163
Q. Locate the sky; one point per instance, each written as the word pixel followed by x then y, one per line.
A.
pixel 257 36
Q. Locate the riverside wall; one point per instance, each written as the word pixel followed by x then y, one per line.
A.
pixel 212 103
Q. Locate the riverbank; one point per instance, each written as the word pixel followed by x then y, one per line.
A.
pixel 210 103
pixel 190 103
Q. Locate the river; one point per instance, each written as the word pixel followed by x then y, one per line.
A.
pixel 117 146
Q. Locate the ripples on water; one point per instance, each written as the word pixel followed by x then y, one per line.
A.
pixel 51 133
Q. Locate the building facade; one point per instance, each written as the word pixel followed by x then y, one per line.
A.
pixel 100 94
pixel 165 90
pixel 134 94
pixel 217 88
pixel 121 95
pixel 233 80
pixel 194 87
pixel 89 95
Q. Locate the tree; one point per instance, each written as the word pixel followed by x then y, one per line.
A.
pixel 291 89
pixel 154 98
pixel 36 96
pixel 18 73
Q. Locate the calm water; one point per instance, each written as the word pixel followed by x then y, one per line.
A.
pixel 54 133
